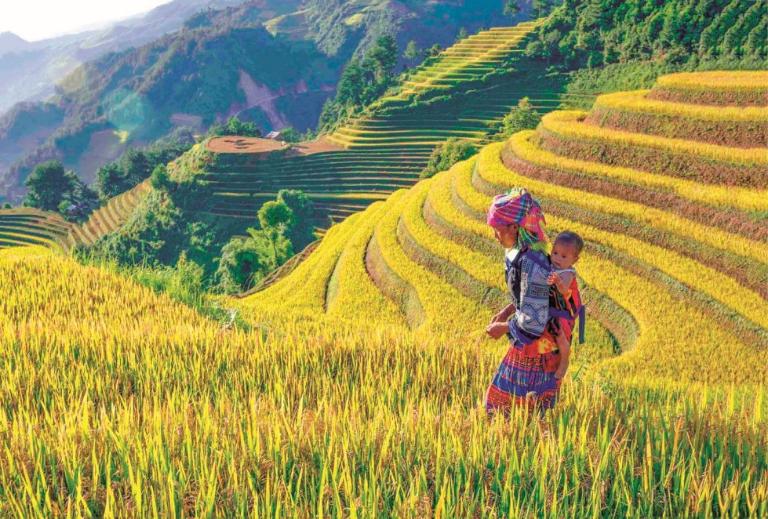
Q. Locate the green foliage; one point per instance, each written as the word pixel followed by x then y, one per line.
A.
pixel 290 135
pixel 246 261
pixel 362 82
pixel 159 179
pixel 51 188
pixel 235 126
pixel 512 7
pixel 446 155
pixel 412 52
pixel 521 117
pixel 301 233
pixel 594 33
pixel 276 215
pixel 434 50
pixel 462 34
pixel 6 205
pixel 135 165
pixel 46 185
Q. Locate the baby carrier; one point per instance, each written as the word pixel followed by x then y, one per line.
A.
pixel 568 308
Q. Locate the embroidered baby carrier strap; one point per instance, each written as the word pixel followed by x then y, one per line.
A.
pixel 514 272
pixel 568 307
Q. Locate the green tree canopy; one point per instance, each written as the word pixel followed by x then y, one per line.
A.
pixel 47 185
pixel 446 155
pixel 276 215
pixel 301 233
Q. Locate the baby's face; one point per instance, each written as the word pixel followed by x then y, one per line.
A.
pixel 563 255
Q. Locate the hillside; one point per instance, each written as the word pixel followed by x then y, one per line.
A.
pixel 357 390
pixel 462 93
pixel 674 218
pixel 238 61
pixel 29 71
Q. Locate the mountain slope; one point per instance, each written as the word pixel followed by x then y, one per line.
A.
pixel 30 70
pixel 224 63
pixel 675 229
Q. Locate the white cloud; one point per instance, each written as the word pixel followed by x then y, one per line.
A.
pixel 39 19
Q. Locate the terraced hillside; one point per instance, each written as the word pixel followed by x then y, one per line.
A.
pixel 385 150
pixel 26 226
pixel 357 387
pixel 675 220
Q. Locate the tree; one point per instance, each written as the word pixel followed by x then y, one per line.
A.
pixel 522 117
pixel 47 185
pixel 383 55
pixel 512 7
pixel 276 215
pixel 434 50
pixel 7 206
pixel 110 180
pixel 301 232
pixel 351 84
pixel 542 8
pixel 412 51
pixel 446 155
pixel 290 135
pixel 245 262
pixel 462 34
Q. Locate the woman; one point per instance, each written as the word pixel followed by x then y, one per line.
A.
pixel 526 375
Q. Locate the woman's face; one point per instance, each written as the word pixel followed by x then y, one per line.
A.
pixel 506 235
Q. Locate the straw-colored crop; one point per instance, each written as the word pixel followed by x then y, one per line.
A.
pixel 523 145
pixel 637 102
pixel 491 168
pixel 117 401
pixel 725 80
pixel 569 125
pixel 352 293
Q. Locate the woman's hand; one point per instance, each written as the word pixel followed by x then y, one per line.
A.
pixel 497 330
pixel 554 278
pixel 504 314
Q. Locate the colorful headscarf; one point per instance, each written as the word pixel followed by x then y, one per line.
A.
pixel 518 206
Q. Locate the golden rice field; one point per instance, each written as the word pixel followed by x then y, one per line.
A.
pixel 357 391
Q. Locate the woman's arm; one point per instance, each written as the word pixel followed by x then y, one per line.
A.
pixel 533 312
pixel 504 314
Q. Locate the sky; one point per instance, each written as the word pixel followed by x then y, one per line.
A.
pixel 38 19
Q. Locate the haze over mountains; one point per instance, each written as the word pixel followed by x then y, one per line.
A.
pixel 272 62
pixel 29 70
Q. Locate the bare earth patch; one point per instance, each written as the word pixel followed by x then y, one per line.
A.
pixel 234 144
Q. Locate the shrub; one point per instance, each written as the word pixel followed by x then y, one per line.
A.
pixel 446 155
pixel 522 117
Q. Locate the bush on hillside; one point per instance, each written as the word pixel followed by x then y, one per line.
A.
pixel 234 126
pixel 52 188
pixel 446 155
pixel 521 117
pixel 301 232
pixel 362 82
pixel 135 165
pixel 245 261
pixel 594 33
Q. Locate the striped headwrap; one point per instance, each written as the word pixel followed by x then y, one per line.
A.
pixel 518 206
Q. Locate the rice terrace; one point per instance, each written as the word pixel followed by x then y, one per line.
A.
pixel 515 266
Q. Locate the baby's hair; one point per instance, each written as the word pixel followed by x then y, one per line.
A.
pixel 572 239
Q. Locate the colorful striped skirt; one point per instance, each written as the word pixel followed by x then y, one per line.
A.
pixel 524 379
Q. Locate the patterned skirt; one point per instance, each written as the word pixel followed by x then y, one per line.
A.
pixel 526 377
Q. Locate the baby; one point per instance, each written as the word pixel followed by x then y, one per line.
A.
pixel 565 252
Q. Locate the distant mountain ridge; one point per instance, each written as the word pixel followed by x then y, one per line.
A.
pixel 29 70
pixel 273 62
pixel 10 42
